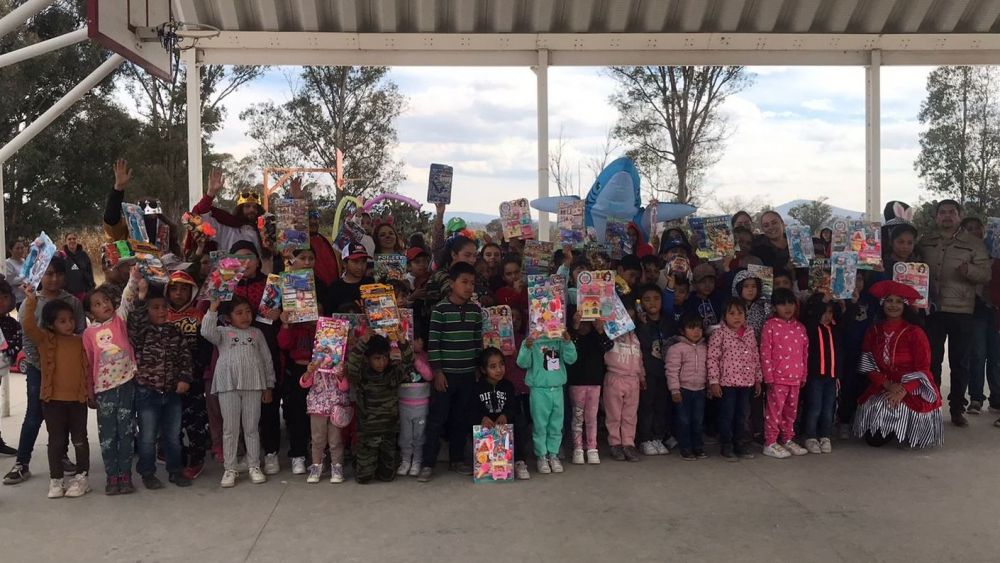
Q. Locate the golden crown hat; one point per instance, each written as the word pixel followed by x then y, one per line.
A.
pixel 248 197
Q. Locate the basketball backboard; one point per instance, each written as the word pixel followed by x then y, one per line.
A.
pixel 127 28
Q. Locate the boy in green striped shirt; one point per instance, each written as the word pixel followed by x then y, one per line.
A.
pixel 453 348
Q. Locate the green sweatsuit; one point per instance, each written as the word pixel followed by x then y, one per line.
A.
pixel 545 363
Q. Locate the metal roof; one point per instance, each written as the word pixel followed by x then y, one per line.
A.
pixel 596 32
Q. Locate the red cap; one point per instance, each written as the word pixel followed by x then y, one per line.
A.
pixel 415 252
pixel 355 251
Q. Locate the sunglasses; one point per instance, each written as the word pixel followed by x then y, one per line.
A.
pixel 249 195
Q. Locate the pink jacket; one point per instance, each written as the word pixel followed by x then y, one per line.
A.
pixel 687 365
pixel 784 352
pixel 733 360
pixel 625 359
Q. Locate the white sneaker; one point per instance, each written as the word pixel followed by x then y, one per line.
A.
pixel 256 476
pixel 593 458
pixel 543 465
pixel 298 466
pixel 812 445
pixel 337 474
pixel 271 465
pixel 521 471
pixel 315 470
pixel 404 468
pixel 229 479
pixel 555 464
pixel 242 465
pixel 661 448
pixel 78 486
pixel 795 449
pixel 415 468
pixel 56 489
pixel 578 457
pixel 649 448
pixel 776 451
pixel 825 446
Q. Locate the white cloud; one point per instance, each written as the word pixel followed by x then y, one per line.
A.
pixel 822 104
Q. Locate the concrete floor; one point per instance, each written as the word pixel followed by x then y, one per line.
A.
pixel 858 504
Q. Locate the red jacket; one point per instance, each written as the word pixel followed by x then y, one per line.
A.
pixel 297 340
pixel 899 352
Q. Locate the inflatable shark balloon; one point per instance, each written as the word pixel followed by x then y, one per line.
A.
pixel 616 194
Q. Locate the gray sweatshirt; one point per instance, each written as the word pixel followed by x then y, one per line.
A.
pixel 244 358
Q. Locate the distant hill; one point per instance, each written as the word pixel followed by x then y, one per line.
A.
pixel 471 219
pixel 784 208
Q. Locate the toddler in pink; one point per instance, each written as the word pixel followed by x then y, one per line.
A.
pixel 625 377
pixel 784 357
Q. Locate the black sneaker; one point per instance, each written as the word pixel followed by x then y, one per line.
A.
pixel 743 453
pixel 69 468
pixel 111 489
pixel 959 420
pixel 975 407
pixel 426 474
pixel 125 485
pixel 152 482
pixel 18 474
pixel 727 452
pixel 179 480
pixel 688 455
pixel 631 454
pixel 7 450
pixel 464 469
pixel 617 453
pixel 700 453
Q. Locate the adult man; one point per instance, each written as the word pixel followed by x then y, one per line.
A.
pixel 231 227
pixel 958 263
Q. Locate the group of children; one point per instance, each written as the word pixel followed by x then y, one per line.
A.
pixel 175 378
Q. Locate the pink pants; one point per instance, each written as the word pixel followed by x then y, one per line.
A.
pixel 585 400
pixel 621 407
pixel 782 407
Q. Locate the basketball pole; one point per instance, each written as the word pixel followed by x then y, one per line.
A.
pixel 20 15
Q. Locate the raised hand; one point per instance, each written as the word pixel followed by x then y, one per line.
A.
pixel 216 181
pixel 123 174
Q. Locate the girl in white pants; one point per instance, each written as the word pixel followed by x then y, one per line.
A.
pixel 244 378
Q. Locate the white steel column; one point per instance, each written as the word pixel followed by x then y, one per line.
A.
pixel 195 190
pixel 4 372
pixel 873 138
pixel 20 15
pixel 542 81
pixel 57 109
pixel 43 47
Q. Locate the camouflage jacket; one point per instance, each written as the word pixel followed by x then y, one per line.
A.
pixel 161 352
pixel 378 393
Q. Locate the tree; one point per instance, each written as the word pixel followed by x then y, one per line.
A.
pixel 350 108
pixel 669 118
pixel 816 214
pixel 754 205
pixel 960 148
pixel 567 183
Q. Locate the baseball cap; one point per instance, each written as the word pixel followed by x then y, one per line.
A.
pixel 702 271
pixel 415 252
pixel 355 250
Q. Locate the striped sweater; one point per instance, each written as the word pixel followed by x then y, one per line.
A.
pixel 244 358
pixel 456 337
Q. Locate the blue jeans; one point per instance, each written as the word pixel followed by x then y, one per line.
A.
pixel 159 415
pixel 821 397
pixel 689 417
pixel 733 407
pixel 32 416
pixel 984 361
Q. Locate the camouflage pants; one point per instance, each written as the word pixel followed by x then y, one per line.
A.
pixel 115 428
pixel 194 426
pixel 376 457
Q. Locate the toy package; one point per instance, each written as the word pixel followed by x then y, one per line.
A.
pixel 268 229
pixel 538 257
pixel 993 236
pixel 498 329
pixel 330 344
pixel 616 235
pixel 714 236
pixel 298 296
pixel 546 308
pixel 390 267
pixel 839 241
pixel 516 218
pixel 117 251
pixel 227 271
pixel 915 275
pixel 380 305
pixel 135 219
pixel 270 300
pixel 819 275
pixel 148 261
pixel 843 274
pixel 571 229
pixel 866 240
pixel 595 295
pixel 439 184
pixel 39 255
pixel 493 453
pixel 679 266
pixel 766 276
pixel 357 324
pixel 800 245
pixel 195 224
pixel 292 224
pixel 620 322
pixel 162 236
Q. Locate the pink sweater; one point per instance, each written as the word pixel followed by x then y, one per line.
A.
pixel 687 365
pixel 733 360
pixel 784 352
pixel 625 359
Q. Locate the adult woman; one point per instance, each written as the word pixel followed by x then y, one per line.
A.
pixel 771 246
pixel 827 236
pixel 458 249
pixel 742 219
pixel 902 240
pixel 902 401
pixel 80 272
pixel 491 254
pixel 12 268
pixel 387 240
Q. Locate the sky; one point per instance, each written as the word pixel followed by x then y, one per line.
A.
pixel 797 132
